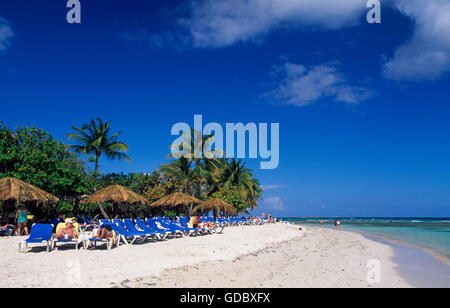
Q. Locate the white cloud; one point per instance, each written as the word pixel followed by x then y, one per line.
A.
pixel 301 86
pixel 274 203
pixel 222 23
pixel 427 54
pixel 269 187
pixel 313 204
pixel 6 34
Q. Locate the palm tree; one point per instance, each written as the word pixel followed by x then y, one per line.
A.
pixel 205 163
pixel 182 172
pixel 96 138
pixel 189 178
pixel 235 174
pixel 194 140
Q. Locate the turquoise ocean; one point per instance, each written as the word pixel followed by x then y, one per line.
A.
pixel 431 234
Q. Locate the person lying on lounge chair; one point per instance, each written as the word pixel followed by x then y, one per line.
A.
pixel 68 232
pixel 209 226
pixel 104 232
pixel 4 227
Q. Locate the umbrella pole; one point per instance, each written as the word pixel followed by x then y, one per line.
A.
pixel 190 210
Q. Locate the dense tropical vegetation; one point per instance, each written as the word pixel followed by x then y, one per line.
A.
pixel 34 156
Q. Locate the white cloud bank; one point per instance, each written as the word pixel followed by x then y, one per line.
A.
pixel 220 23
pixel 427 54
pixel 301 86
pixel 6 34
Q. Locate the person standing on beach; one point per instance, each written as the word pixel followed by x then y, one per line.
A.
pixel 337 224
pixel 21 220
pixel 322 223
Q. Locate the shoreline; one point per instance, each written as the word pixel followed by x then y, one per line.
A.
pixel 438 256
pixel 435 274
pixel 272 255
pixel 407 256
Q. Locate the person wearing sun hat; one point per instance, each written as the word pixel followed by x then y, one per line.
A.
pixel 66 230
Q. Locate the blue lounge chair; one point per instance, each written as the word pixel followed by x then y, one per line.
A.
pixel 144 227
pixel 88 221
pixel 109 242
pixel 167 223
pixel 153 225
pixel 129 224
pixel 76 241
pixel 8 231
pixel 104 221
pixel 126 235
pixel 184 224
pixel 40 233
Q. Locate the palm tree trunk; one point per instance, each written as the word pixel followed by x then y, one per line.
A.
pixel 96 166
pixel 102 210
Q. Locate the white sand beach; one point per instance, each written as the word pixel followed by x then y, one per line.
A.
pixel 272 255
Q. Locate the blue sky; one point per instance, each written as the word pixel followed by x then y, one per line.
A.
pixel 363 108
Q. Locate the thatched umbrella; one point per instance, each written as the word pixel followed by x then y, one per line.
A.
pixel 177 199
pixel 115 194
pixel 14 190
pixel 217 205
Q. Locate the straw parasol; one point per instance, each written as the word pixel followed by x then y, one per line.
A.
pixel 19 191
pixel 217 205
pixel 115 194
pixel 14 190
pixel 177 199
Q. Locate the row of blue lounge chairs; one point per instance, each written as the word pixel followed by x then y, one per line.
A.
pixel 130 231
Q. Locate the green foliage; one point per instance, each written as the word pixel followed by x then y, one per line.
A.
pixel 32 155
pixel 154 193
pixel 231 195
pixel 185 175
pixel 137 182
pixel 170 214
pixel 233 173
pixel 228 180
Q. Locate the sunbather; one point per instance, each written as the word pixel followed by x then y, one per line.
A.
pixel 208 226
pixel 68 232
pixel 104 232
